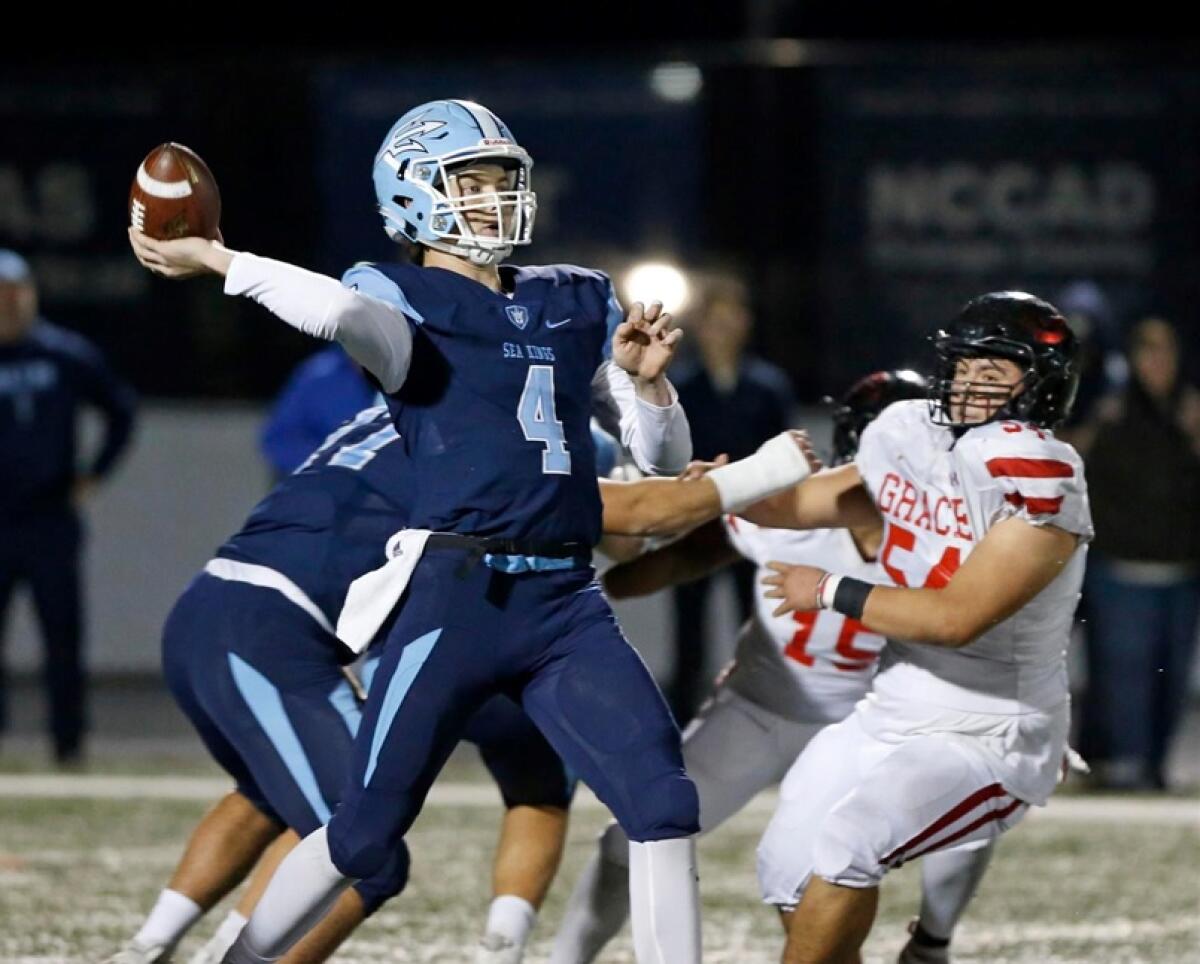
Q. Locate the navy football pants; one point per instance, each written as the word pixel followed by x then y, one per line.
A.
pixel 43 551
pixel 547 638
pixel 262 684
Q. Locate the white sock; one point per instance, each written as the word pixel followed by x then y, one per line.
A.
pixel 511 917
pixel 664 901
pixel 948 882
pixel 599 904
pixel 221 940
pixel 169 919
pixel 303 889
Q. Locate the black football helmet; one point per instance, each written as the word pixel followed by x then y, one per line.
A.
pixel 866 398
pixel 1023 329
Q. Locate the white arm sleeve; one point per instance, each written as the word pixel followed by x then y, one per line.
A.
pixel 658 437
pixel 374 333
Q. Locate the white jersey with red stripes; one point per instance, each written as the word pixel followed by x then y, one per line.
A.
pixel 939 495
pixel 809 666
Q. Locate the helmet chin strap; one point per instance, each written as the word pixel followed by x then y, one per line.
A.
pixel 479 256
pixel 486 256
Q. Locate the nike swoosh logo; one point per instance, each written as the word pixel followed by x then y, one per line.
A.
pixel 558 324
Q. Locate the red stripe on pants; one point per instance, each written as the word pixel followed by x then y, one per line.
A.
pixel 969 804
pixel 986 818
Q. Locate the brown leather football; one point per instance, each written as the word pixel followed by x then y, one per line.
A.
pixel 174 195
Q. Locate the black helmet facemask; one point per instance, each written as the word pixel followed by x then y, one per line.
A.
pixel 1023 329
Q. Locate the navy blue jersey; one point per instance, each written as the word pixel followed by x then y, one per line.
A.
pixel 494 413
pixel 328 523
pixel 46 377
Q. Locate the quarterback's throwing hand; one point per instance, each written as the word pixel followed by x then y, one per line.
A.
pixel 180 258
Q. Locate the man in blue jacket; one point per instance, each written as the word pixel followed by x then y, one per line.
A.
pixel 47 374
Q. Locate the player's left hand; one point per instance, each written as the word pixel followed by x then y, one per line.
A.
pixel 644 343
pixel 795 585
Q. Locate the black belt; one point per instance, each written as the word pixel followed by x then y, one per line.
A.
pixel 476 547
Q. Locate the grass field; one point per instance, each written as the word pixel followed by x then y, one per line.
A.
pixel 1089 880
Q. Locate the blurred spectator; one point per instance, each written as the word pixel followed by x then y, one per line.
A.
pixel 321 393
pixel 734 402
pixel 1142 452
pixel 1102 364
pixel 46 375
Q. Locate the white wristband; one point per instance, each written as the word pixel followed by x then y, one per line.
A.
pixel 777 465
pixel 826 589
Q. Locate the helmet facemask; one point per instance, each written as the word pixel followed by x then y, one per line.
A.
pixel 1011 326
pixel 463 206
pixel 950 395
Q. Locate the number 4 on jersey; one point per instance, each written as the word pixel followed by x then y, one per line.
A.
pixel 540 422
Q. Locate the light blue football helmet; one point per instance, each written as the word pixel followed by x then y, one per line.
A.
pixel 415 187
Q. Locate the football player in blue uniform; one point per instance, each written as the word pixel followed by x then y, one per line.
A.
pixel 250 654
pixel 490 374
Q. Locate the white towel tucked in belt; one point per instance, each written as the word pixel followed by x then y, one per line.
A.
pixel 372 597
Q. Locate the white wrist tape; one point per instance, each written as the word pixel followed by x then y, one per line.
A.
pixel 827 590
pixel 777 465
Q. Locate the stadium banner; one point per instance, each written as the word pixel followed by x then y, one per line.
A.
pixel 944 182
pixel 66 163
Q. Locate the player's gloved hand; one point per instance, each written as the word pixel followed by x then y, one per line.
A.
pixel 645 342
pixel 181 257
pixel 796 586
pixel 697 469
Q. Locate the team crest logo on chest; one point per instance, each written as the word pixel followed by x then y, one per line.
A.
pixel 518 315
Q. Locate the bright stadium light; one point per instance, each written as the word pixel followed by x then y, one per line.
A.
pixel 676 82
pixel 656 281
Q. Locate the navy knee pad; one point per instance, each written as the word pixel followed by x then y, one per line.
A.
pixel 385 883
pixel 357 852
pixel 668 808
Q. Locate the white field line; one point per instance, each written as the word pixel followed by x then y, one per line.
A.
pixel 1109 809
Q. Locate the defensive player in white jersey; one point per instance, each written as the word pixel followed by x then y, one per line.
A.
pixel 986 521
pixel 792 675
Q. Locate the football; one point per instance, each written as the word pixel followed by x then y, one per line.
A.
pixel 174 195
